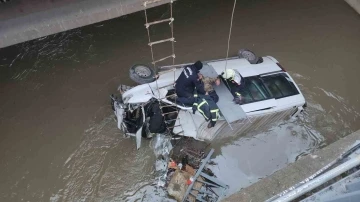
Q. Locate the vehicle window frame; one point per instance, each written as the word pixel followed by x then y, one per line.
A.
pixel 247 85
pixel 286 77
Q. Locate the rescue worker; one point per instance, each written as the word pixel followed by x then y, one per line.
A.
pixel 156 122
pixel 188 80
pixel 207 108
pixel 207 87
pixel 236 83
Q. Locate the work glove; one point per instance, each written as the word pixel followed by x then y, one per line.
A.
pixel 194 108
pixel 237 100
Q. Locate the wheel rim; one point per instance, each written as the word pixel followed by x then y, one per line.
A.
pixel 142 71
pixel 248 55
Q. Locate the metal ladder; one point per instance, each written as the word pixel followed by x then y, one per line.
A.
pixel 148 24
pixel 211 190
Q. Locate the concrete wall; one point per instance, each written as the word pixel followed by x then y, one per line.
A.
pixel 295 172
pixel 25 20
pixel 355 4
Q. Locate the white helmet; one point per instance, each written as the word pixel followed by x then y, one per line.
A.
pixel 232 75
pixel 228 74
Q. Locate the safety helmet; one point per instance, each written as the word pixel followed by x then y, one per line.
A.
pixel 228 74
pixel 232 75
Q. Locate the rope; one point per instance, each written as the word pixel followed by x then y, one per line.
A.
pixel 148 33
pixel 228 45
pixel 173 58
pixel 172 34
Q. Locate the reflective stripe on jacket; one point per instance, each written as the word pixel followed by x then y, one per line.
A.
pixel 206 107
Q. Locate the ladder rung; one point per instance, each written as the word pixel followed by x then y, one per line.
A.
pixel 166 85
pixel 174 126
pixel 170 20
pixel 154 1
pixel 170 56
pixel 169 113
pixel 162 41
pixel 173 119
pixel 179 132
pixel 172 95
pixel 167 71
pixel 168 106
pixel 176 66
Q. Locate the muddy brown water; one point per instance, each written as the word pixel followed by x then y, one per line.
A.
pixel 58 138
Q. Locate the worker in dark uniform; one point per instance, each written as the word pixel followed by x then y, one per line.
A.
pixel 188 80
pixel 236 83
pixel 156 122
pixel 207 108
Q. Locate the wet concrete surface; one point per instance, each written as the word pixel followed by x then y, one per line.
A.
pixel 295 172
pixel 23 20
pixel 58 139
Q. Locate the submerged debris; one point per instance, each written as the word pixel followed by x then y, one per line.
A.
pixel 189 151
pixel 162 147
pixel 182 169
